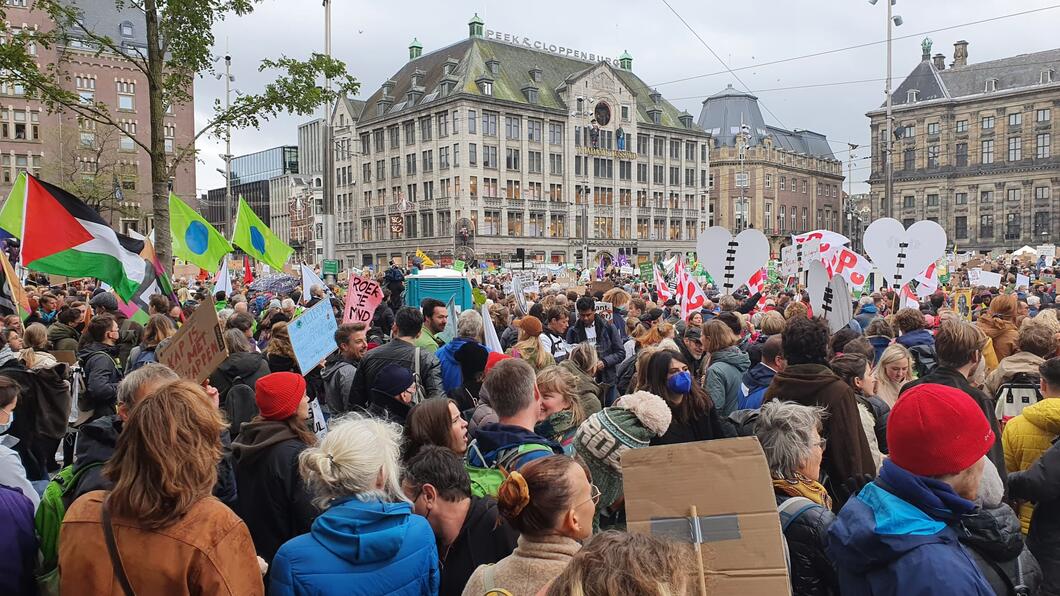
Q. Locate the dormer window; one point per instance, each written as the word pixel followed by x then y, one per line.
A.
pixel 126 29
pixel 531 94
pixel 1047 76
pixel 991 85
pixel 912 95
pixel 535 74
pixel 656 115
pixel 493 65
pixel 485 85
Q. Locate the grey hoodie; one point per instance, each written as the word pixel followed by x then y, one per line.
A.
pixel 724 375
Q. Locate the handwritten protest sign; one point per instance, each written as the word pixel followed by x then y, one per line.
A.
pixel 605 310
pixel 362 298
pixel 198 347
pixel 990 279
pixel 316 420
pixel 312 335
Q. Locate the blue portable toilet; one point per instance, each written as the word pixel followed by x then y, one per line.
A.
pixel 441 284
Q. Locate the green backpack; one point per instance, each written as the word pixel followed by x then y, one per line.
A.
pixel 485 482
pixel 50 513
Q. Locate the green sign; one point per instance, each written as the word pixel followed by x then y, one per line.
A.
pixel 647 272
pixel 331 267
pixel 459 265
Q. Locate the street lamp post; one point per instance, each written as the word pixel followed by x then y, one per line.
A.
pixel 892 21
pixel 230 207
pixel 329 150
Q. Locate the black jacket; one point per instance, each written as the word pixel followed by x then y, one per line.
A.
pixel 275 502
pixel 246 366
pixel 993 538
pixel 97 440
pixel 41 414
pixel 701 428
pixel 952 378
pixel 397 351
pixel 812 572
pixel 608 347
pixel 102 375
pixel 880 413
pixel 482 540
pixel 1040 483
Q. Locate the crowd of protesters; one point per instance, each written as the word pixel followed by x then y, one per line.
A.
pixel 910 452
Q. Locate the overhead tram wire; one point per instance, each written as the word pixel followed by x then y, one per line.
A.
pixel 729 70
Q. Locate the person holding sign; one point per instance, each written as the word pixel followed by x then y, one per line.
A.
pixel 274 502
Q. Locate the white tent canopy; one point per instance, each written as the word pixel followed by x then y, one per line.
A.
pixel 1026 250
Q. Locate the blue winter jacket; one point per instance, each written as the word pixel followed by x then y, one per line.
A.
pixel 753 387
pixel 867 314
pixel 879 344
pixel 898 537
pixel 920 337
pixel 452 375
pixel 359 548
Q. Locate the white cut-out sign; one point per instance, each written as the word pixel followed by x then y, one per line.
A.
pixel 816 284
pixel 732 261
pixel 837 306
pixel 899 253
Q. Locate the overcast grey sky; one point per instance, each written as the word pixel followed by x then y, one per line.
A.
pixel 372 39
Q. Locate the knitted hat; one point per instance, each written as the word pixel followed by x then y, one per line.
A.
pixel 392 380
pixel 935 430
pixel 105 301
pixel 471 357
pixel 278 395
pixel 530 325
pixel 494 358
pixel 601 440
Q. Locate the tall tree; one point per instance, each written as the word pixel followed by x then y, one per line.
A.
pixel 179 42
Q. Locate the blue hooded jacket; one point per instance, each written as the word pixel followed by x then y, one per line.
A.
pixel 360 547
pixel 898 537
pixel 755 382
pixel 452 375
pixel 920 337
pixel 879 344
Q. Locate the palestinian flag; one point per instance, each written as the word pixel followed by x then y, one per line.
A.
pixel 62 235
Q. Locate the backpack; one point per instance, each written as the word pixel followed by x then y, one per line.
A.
pixel 1022 390
pixel 789 511
pixel 924 359
pixel 49 518
pixel 143 357
pixel 239 405
pixel 485 482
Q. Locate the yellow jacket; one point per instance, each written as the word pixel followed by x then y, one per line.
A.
pixel 1026 437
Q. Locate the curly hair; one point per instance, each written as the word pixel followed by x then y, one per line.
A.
pixel 280 341
pixel 614 562
pixel 805 341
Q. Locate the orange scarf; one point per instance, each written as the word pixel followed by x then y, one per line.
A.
pixel 801 486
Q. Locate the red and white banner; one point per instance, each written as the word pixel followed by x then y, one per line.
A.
pixel 757 282
pixel 927 281
pixel 691 297
pixel 661 288
pixel 852 266
pixel 831 242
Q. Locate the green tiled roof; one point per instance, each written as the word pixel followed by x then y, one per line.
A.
pixel 515 63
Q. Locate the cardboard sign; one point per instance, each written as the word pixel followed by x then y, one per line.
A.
pixel 601 286
pixel 990 279
pixel 313 335
pixel 317 422
pixel 199 347
pixel 1047 250
pixel 732 261
pixel 900 253
pixel 975 277
pixel 727 483
pixel 362 298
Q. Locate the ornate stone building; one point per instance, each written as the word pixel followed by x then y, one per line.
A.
pixel 499 146
pixel 973 149
pixel 779 181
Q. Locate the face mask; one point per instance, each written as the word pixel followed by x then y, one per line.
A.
pixel 680 383
pixel 7 425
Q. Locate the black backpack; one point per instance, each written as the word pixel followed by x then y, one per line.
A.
pixel 924 359
pixel 239 405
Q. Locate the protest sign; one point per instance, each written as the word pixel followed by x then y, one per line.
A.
pixel 198 347
pixel 851 266
pixel 312 335
pixel 605 310
pixel 837 306
pixel 901 253
pixel 732 261
pixel 459 265
pixel 362 298
pixel 1046 250
pixel 316 420
pixel 789 261
pixel 816 284
pixel 975 277
pixel 963 303
pixel 721 492
pixel 601 286
pixel 990 279
pixel 828 243
pixel 1022 281
pixel 646 271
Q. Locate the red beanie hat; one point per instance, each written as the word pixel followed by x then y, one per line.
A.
pixel 935 430
pixel 494 358
pixel 278 395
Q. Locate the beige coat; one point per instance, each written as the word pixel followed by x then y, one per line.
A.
pixel 1020 362
pixel 534 563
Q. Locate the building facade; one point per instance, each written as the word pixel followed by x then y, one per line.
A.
pixel 779 181
pixel 251 176
pixel 496 148
pixel 100 163
pixel 973 149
